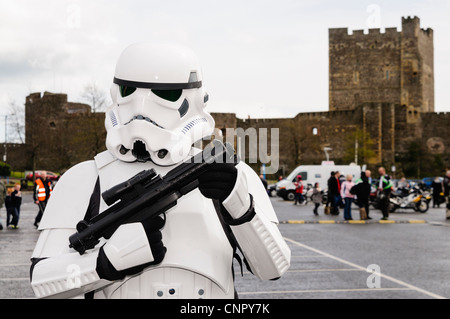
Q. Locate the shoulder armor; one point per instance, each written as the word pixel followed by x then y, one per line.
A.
pixel 70 198
pixel 256 188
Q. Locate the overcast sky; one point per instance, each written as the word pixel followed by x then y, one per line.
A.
pixel 260 58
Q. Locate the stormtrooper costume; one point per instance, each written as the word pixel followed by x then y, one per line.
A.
pixel 157 114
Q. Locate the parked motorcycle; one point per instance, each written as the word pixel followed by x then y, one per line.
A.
pixel 413 198
pixel 374 200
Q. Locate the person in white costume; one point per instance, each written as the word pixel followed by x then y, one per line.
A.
pixel 157 114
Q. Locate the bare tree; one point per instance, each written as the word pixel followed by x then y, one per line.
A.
pixel 93 95
pixel 16 122
pixel 95 128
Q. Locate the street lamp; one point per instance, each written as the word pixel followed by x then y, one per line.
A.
pixel 6 130
pixel 326 149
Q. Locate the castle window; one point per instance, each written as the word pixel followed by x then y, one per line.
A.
pixel 52 125
pixel 387 75
pixel 315 131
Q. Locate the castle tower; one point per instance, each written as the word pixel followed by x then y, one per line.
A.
pixel 391 67
pixel 417 62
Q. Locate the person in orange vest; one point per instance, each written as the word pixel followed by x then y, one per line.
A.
pixel 42 192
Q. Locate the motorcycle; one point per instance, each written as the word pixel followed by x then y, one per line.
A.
pixel 374 200
pixel 413 198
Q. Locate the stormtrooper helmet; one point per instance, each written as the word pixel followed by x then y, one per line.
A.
pixel 158 105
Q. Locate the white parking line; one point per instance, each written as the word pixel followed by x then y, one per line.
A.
pixel 15 265
pixel 324 270
pixel 15 279
pixel 309 270
pixel 320 290
pixel 402 283
pixel 308 256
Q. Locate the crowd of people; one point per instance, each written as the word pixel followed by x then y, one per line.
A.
pixel 343 192
pixel 11 198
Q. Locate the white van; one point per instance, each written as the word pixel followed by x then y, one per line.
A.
pixel 312 174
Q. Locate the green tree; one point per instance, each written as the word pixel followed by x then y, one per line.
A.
pixel 359 147
pixel 418 162
pixel 5 169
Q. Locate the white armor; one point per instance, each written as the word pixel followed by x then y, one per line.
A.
pixel 198 261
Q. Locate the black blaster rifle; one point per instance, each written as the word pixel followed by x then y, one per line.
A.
pixel 147 195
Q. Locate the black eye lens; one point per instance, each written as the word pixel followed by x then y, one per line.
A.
pixel 169 95
pixel 126 90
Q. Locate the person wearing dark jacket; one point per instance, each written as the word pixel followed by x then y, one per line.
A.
pixel 9 208
pixel 437 190
pixel 16 201
pixel 446 184
pixel 384 192
pixel 362 192
pixel 334 192
pixel 2 200
pixel 327 208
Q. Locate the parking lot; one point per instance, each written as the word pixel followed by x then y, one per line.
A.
pixel 407 257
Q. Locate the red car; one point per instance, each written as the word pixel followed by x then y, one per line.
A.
pixel 50 175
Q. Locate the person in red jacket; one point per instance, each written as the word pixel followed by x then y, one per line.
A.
pixel 299 191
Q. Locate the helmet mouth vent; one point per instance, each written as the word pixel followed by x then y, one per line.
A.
pixel 143 118
pixel 140 151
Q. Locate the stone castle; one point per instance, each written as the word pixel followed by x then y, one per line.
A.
pixel 381 105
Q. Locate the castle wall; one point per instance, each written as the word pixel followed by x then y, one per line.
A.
pixel 58 133
pixel 76 137
pixel 435 132
pixel 426 51
pixel 363 67
pixel 302 139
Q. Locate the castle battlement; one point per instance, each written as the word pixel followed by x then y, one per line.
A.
pixel 338 32
pixel 413 23
pixel 408 24
pixel 428 32
pixel 411 19
pixel 362 34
